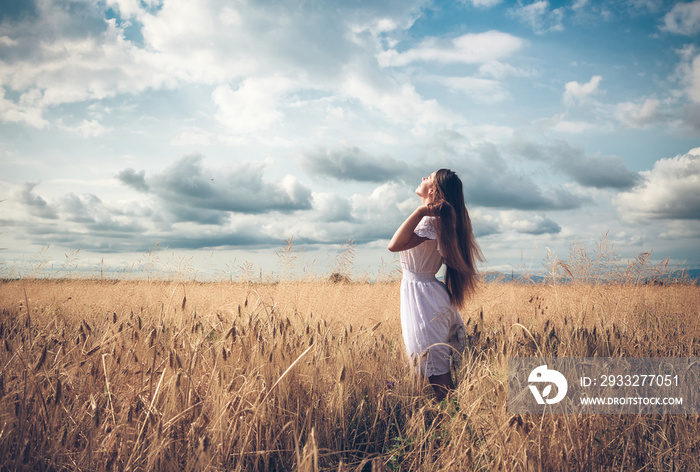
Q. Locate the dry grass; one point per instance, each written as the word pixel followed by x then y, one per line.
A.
pixel 138 375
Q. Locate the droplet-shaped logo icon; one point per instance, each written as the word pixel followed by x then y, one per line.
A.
pixel 543 375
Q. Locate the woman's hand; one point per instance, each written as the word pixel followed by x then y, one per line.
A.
pixel 424 210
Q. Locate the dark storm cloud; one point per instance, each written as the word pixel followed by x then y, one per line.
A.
pixel 133 179
pixel 588 170
pixel 354 164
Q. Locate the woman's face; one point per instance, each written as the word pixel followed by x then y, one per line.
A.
pixel 426 189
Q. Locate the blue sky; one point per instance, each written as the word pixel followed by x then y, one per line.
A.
pixel 219 129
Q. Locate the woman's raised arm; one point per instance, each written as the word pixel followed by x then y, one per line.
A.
pixel 404 237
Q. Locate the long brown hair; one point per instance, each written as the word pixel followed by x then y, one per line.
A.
pixel 457 241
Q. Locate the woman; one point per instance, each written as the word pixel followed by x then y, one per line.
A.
pixel 438 231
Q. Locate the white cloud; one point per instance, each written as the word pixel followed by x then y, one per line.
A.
pixel 332 208
pixel 471 48
pixel 399 102
pixel 253 106
pixel 499 70
pixel 482 3
pixel 49 71
pixel 684 18
pixel 572 127
pixel 688 72
pixel 671 190
pixel 482 90
pixel 577 93
pixel 539 17
pixel 484 223
pixel 86 129
pixel 11 112
pixel 532 224
pixel 195 137
pixel 638 114
pixel 579 4
pixel 384 208
pixel 7 41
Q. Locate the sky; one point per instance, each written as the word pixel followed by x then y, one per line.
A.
pixel 202 135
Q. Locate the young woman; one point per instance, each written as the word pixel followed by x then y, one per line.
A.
pixel 438 231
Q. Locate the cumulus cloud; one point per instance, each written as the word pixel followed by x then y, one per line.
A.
pixel 671 190
pixel 577 93
pixel 77 221
pixel 67 52
pixel 638 114
pixel 363 217
pixel 192 192
pixel 382 211
pixel 36 204
pixel 471 48
pixel 21 112
pixel 99 217
pixel 332 208
pixel 189 205
pixel 352 163
pixel 684 19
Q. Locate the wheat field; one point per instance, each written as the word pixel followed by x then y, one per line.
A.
pixel 312 375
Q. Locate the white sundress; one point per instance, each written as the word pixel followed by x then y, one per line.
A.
pixel 428 320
